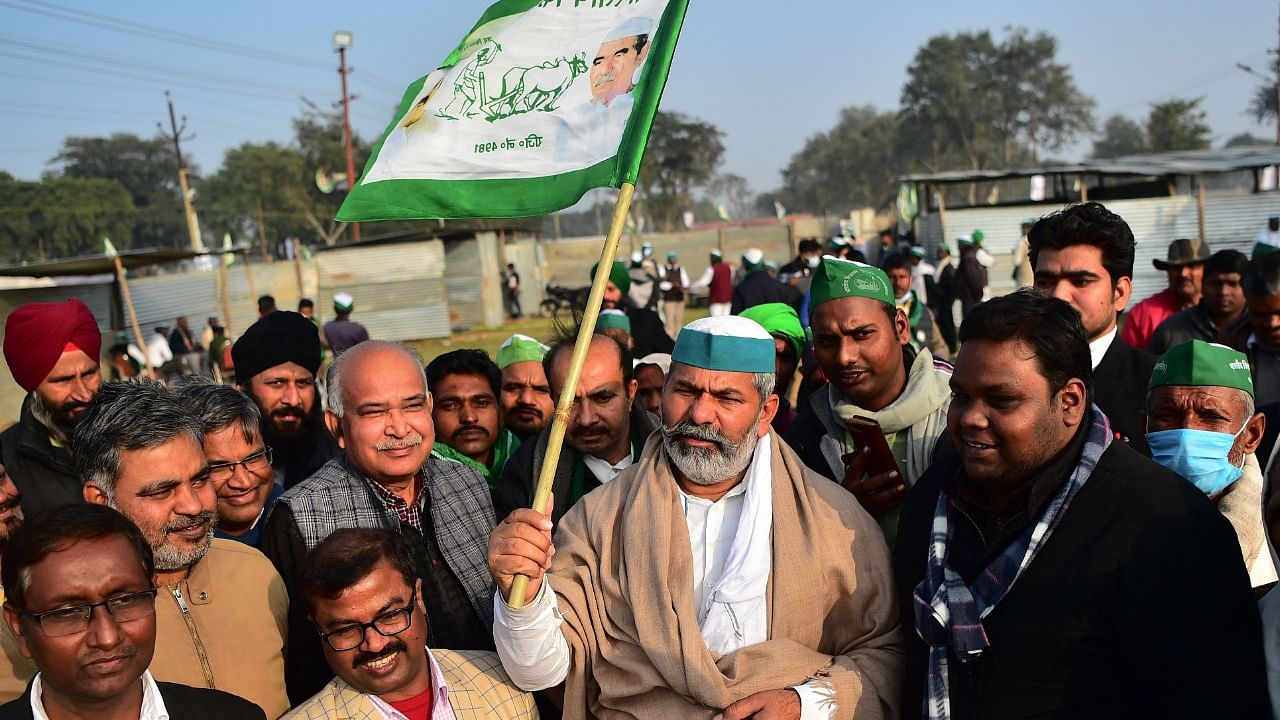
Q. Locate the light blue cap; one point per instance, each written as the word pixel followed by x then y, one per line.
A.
pixel 728 343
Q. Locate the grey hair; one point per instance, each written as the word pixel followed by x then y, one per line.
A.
pixel 133 415
pixel 219 406
pixel 333 380
pixel 764 382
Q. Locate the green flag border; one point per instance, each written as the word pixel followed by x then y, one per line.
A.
pixel 400 199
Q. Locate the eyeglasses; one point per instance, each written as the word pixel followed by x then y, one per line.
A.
pixel 75 619
pixel 257 462
pixel 392 622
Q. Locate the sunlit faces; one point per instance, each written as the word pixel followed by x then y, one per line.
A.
pixel 711 422
pixel 286 394
pixel 526 398
pixel 386 426
pixel 242 489
pixel 599 422
pixel 1004 418
pixel 614 66
pixel 69 387
pixel 900 279
pixel 1075 275
pixel 106 659
pixel 1186 281
pixel 393 667
pixel 466 415
pixel 858 342
pixel 1211 408
pixel 165 491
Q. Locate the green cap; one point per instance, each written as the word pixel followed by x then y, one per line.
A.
pixel 1197 362
pixel 838 278
pixel 978 236
pixel 520 348
pixel 618 275
pixel 917 251
pixel 612 319
pixel 729 343
pixel 779 319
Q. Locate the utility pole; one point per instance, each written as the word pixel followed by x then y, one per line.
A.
pixel 342 40
pixel 193 224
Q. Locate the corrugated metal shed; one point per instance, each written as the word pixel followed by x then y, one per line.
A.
pixel 399 288
pixel 158 300
pixel 1182 162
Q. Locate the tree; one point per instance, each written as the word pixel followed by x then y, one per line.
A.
pixel 733 192
pixel 1120 136
pixel 270 173
pixel 1246 139
pixel 969 98
pixel 147 169
pixel 1177 124
pixel 852 165
pixel 319 137
pixel 1263 105
pixel 682 156
pixel 62 216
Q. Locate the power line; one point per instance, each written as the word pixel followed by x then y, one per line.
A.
pixel 106 22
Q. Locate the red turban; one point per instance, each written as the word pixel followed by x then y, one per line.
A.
pixel 36 335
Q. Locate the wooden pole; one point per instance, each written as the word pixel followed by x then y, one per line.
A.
pixel 297 266
pixel 1084 189
pixel 1200 206
pixel 560 421
pixel 133 314
pixel 262 231
pixel 224 279
pixel 248 276
pixel 942 216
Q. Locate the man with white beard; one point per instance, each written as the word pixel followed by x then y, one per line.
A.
pixel 675 589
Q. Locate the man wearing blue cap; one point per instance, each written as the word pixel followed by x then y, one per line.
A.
pixel 717 573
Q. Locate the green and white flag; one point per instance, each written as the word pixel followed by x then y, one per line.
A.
pixel 542 101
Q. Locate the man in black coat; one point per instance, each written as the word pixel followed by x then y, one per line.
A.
pixel 1077 578
pixel 605 435
pixel 757 287
pixel 1083 255
pixel 648 334
pixel 81 602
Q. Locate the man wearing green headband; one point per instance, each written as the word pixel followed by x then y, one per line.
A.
pixel 647 332
pixel 781 322
pixel 526 396
pixel 464 387
pixel 717 572
pixel 862 342
pixel 1201 424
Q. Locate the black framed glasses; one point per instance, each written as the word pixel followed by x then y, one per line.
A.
pixel 255 463
pixel 389 623
pixel 75 619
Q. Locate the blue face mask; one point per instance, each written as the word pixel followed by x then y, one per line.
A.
pixel 1200 456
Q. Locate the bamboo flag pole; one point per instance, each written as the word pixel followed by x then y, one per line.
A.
pixel 560 421
pixel 133 314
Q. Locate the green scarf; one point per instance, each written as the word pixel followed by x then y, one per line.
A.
pixel 506 446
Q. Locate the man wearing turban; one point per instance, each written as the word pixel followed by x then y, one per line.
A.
pixel 647 332
pixel 276 362
pixel 52 350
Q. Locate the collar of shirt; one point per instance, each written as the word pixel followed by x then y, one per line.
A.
pixel 440 707
pixel 152 704
pixel 408 514
pixel 605 470
pixel 1098 348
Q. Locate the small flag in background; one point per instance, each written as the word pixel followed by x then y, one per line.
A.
pixel 723 212
pixel 108 247
pixel 542 101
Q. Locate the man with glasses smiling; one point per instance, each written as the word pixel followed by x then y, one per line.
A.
pixel 222 611
pixel 365 601
pixel 239 459
pixel 82 605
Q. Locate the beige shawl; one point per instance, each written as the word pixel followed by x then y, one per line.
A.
pixel 624 580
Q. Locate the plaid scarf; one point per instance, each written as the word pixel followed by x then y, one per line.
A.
pixel 949 613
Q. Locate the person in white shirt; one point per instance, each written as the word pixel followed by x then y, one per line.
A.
pixel 80 600
pixel 715 577
pixel 158 351
pixel 364 598
pixel 1268 239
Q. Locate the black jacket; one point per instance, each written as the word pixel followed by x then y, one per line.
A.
pixel 1138 605
pixel 1120 389
pixel 648 334
pixel 757 288
pixel 181 702
pixel 515 488
pixel 43 473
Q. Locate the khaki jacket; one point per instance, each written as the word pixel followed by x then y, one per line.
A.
pixel 224 627
pixel 478 689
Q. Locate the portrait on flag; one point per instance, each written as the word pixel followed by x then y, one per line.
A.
pixel 535 90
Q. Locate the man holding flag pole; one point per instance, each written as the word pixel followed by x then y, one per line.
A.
pixel 535 151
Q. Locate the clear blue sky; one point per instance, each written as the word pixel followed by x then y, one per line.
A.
pixel 769 74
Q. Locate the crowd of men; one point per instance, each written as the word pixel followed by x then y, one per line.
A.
pixel 796 507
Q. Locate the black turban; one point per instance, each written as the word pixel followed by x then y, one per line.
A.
pixel 277 338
